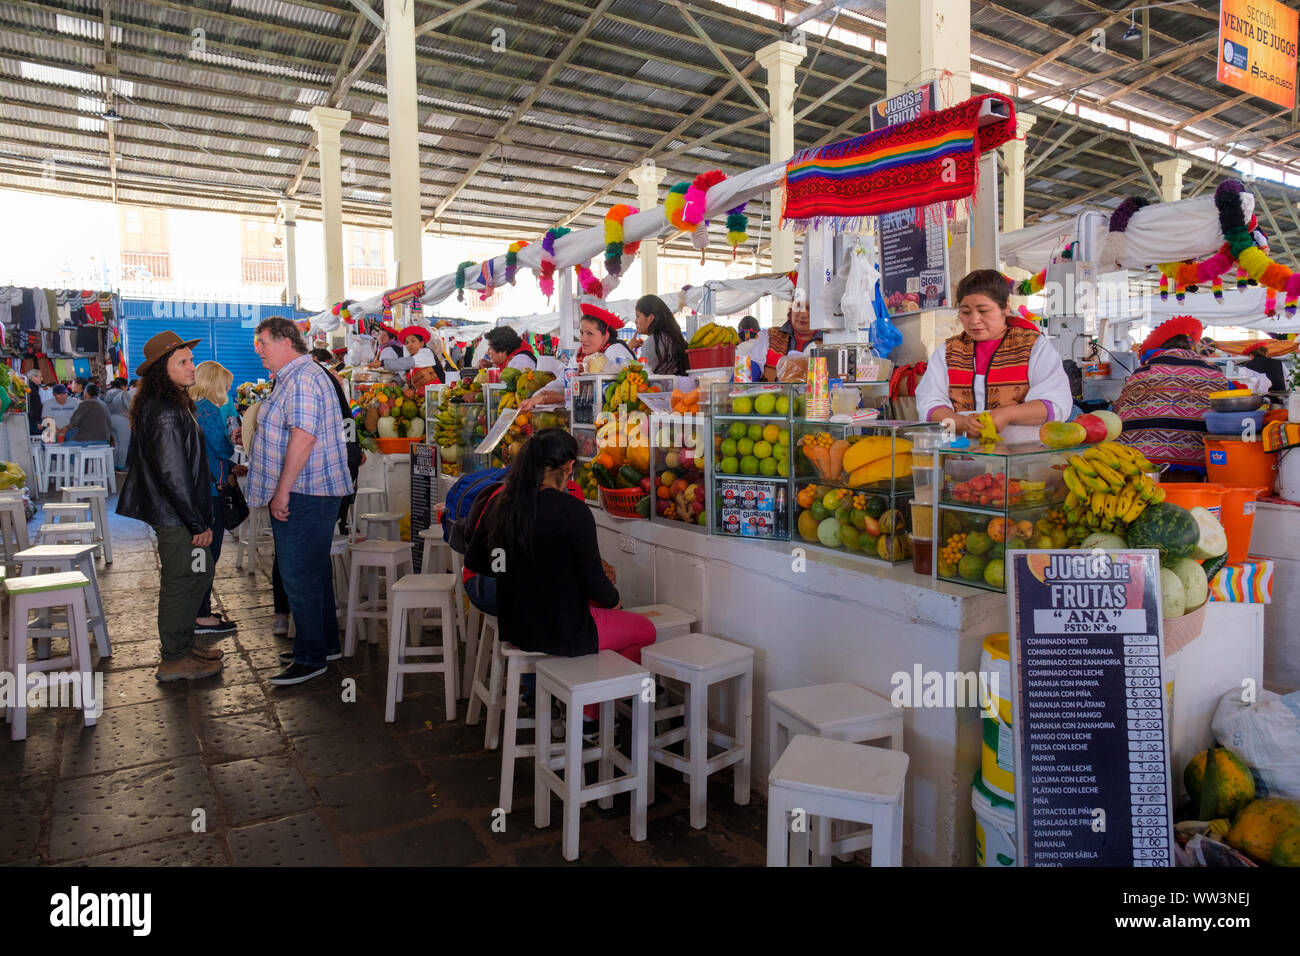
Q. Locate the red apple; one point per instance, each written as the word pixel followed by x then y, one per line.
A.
pixel 1096 430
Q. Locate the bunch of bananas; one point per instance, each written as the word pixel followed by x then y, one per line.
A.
pixel 711 334
pixel 509 400
pixel 446 430
pixel 1108 489
pixel 625 392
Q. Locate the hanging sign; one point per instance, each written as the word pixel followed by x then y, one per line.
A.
pixel 1257 49
pixel 1092 781
pixel 913 258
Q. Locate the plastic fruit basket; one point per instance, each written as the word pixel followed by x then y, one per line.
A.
pixel 715 356
pixel 396 446
pixel 622 502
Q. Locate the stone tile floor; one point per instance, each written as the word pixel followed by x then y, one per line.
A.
pixel 233 771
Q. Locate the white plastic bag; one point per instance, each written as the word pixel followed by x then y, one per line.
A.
pixel 1257 382
pixel 1265 734
pixel 859 290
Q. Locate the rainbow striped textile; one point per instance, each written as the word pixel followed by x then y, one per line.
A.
pixel 931 159
pixel 1250 582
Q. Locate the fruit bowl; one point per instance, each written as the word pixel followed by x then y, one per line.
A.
pixel 396 446
pixel 715 356
pixel 1237 403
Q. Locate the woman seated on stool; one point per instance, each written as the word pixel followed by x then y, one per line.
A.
pixel 539 542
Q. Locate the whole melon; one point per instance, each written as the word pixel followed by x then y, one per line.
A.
pixel 1236 786
pixel 1173 597
pixel 1196 587
pixel 1168 528
pixel 1257 828
pixel 1104 540
pixel 1286 851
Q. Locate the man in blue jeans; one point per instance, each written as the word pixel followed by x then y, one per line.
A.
pixel 300 469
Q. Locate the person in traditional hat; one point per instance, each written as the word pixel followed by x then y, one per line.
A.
pixel 418 354
pixel 1000 363
pixel 167 486
pixel 1163 403
pixel 1262 362
pixel 596 336
pixel 387 345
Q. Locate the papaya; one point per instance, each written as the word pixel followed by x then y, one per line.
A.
pixel 1286 851
pixel 1235 788
pixel 1257 829
pixel 881 469
pixel 872 448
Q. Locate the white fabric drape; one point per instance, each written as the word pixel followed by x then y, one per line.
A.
pixel 1244 309
pixel 731 296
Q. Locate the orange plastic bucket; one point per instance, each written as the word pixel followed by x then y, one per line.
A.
pixel 1238 519
pixel 1187 494
pixel 1240 464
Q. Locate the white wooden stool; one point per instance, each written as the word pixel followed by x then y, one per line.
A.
pixel 701 661
pixel 669 621
pixel 509 665
pixel 71 557
pixel 483 693
pixel 413 593
pixel 254 533
pixel 434 547
pixel 393 558
pixel 834 780
pixel 339 563
pixel 97 467
pixel 366 500
pixel 468 634
pixel 383 525
pixel 37 445
pixel 576 682
pixel 67 532
pixel 13 526
pixel 62 465
pixel 97 496
pixel 840 711
pixel 35 593
pixel 57 511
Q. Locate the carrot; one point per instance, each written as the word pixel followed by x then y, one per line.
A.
pixel 836 455
pixel 821 459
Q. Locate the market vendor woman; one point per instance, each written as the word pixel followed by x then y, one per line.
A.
pixel 795 335
pixel 595 336
pixel 419 355
pixel 1000 363
pixel 505 349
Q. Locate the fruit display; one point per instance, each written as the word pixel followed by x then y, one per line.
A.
pixel 752 449
pixel 678 464
pixel 1108 489
pixel 457 428
pixel 852 521
pixel 621 393
pixel 759 401
pixel 388 411
pixel 686 403
pixel 972 547
pixel 517 385
pixel 1233 784
pixel 711 334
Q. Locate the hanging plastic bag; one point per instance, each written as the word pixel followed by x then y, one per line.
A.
pixel 859 290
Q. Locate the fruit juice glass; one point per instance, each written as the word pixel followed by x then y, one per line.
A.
pixel 922 510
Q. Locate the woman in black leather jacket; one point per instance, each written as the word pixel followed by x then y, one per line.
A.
pixel 166 486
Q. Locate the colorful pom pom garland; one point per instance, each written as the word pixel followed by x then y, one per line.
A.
pixel 460 278
pixel 546 272
pixel 737 227
pixel 512 260
pixel 693 211
pixel 674 204
pixel 615 248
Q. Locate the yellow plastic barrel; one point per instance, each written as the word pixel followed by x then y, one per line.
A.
pixel 997 763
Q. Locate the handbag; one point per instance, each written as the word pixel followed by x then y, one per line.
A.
pixel 234 509
pixel 420 377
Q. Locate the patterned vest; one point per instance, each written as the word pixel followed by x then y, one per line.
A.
pixel 1007 379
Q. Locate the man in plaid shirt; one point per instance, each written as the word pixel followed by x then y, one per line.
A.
pixel 299 466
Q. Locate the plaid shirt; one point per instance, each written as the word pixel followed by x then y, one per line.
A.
pixel 303 398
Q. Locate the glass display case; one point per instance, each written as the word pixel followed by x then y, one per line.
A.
pixel 854 485
pixel 679 468
pixel 456 418
pixel 751 464
pixel 992 498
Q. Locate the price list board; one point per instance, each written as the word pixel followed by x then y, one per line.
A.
pixel 424 493
pixel 1091 734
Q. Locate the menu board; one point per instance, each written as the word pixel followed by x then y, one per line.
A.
pixel 1088 709
pixel 424 493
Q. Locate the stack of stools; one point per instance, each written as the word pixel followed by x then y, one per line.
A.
pixel 576 682
pixel 701 661
pixel 71 557
pixel 62 465
pixel 97 496
pixel 13 526
pixel 37 445
pixel 256 527
pixel 393 558
pixel 97 467
pixel 434 558
pixel 383 525
pixel 411 595
pixel 839 711
pixel 820 779
pixel 38 593
pixel 485 691
pixel 64 511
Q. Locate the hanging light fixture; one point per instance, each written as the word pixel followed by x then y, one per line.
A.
pixel 111 115
pixel 505 173
pixel 1132 33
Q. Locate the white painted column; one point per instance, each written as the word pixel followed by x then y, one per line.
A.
pixel 327 123
pixel 1170 172
pixel 1013 179
pixel 926 37
pixel 647 178
pixel 290 209
pixel 403 139
pixel 779 60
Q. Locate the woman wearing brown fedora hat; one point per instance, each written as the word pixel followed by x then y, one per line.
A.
pixel 166 486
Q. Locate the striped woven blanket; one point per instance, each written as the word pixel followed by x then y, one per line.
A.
pixel 1163 406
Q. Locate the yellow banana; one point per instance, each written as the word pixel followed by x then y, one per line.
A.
pixel 1109 475
pixel 1071 501
pixel 1094 483
pixel 1083 466
pixel 1106 454
pixel 1126 500
pixel 1158 495
pixel 1098 502
pixel 1074 484
pixel 1134 511
pixel 1112 506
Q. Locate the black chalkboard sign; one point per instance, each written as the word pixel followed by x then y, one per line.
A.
pixel 1088 709
pixel 424 491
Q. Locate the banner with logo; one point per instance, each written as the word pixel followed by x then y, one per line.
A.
pixel 1257 48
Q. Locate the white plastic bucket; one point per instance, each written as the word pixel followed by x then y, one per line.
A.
pixel 997 759
pixel 1288 475
pixel 995 827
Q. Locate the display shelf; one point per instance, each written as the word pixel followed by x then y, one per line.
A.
pixel 749 469
pixel 457 440
pixel 679 469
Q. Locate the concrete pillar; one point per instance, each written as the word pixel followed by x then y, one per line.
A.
pixel 647 179
pixel 779 60
pixel 924 38
pixel 403 141
pixel 1170 173
pixel 328 123
pixel 1013 180
pixel 290 209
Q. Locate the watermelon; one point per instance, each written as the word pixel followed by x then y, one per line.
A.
pixel 1213 541
pixel 1167 528
pixel 1212 566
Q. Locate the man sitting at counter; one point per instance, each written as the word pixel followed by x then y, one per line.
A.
pixel 1000 363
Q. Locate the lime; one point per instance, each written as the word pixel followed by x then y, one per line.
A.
pixel 762 450
pixel 754 432
pixel 737 430
pixel 749 465
pixel 728 447
pixel 765 403
pixel 768 466
pixel 729 465
pixel 745 446
pixel 742 405
pixel 782 404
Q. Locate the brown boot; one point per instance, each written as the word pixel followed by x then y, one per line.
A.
pixel 187 668
pixel 207 653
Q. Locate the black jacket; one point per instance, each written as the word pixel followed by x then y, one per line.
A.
pixel 34 410
pixel 167 481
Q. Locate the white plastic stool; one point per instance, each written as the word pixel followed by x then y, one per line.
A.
pixel 434 545
pixel 416 592
pixel 13 526
pixel 256 528
pixel 840 711
pixel 57 511
pixel 389 525
pixel 37 445
pixel 67 532
pixel 97 496
pixel 369 558
pixel 576 682
pixel 669 621
pixel 835 780
pixel 63 465
pixel 71 557
pixel 701 661
pixel 39 592
pixel 97 467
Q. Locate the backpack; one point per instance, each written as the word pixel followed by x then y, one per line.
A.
pixel 462 494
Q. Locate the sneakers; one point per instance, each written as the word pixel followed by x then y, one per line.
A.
pixel 286 657
pixel 207 653
pixel 296 674
pixel 222 626
pixel 187 668
pixel 590 730
pixel 280 626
